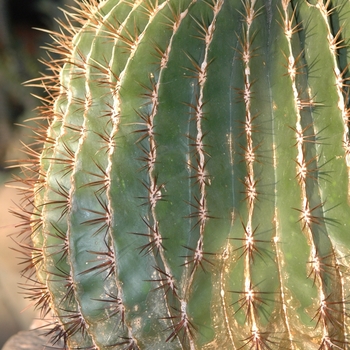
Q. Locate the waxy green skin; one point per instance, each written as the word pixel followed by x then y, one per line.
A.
pixel 193 190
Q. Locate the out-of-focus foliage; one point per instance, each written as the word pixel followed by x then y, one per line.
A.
pixel 20 50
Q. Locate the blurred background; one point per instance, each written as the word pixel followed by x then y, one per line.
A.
pixel 20 48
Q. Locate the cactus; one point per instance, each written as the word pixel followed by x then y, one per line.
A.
pixel 192 191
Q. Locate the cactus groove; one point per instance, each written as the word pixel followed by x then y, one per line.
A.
pixel 192 190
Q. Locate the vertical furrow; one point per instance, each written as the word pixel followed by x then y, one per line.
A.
pixel 263 297
pixel 335 201
pixel 210 164
pixel 114 114
pixel 306 159
pixel 316 161
pixel 337 44
pixel 244 251
pixel 339 27
pixel 155 189
pixel 91 220
pixel 283 296
pixel 143 149
pixel 197 256
pixel 294 67
pixel 324 260
pixel 93 257
pixel 343 77
pixel 251 12
pixel 201 158
pixel 114 107
pixel 277 81
pixel 57 207
pixel 330 337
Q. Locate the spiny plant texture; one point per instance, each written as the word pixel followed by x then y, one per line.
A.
pixel 192 190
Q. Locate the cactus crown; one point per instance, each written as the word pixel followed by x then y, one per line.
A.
pixel 192 191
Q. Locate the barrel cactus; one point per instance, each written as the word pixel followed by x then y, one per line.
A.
pixel 192 190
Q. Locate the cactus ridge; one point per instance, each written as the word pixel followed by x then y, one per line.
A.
pixel 192 190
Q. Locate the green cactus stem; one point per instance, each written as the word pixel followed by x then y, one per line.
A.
pixel 192 191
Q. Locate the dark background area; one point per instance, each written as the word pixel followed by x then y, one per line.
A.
pixel 19 52
pixel 20 49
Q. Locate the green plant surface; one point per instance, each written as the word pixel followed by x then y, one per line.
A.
pixel 193 186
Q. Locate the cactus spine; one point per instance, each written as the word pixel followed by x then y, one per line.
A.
pixel 192 191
